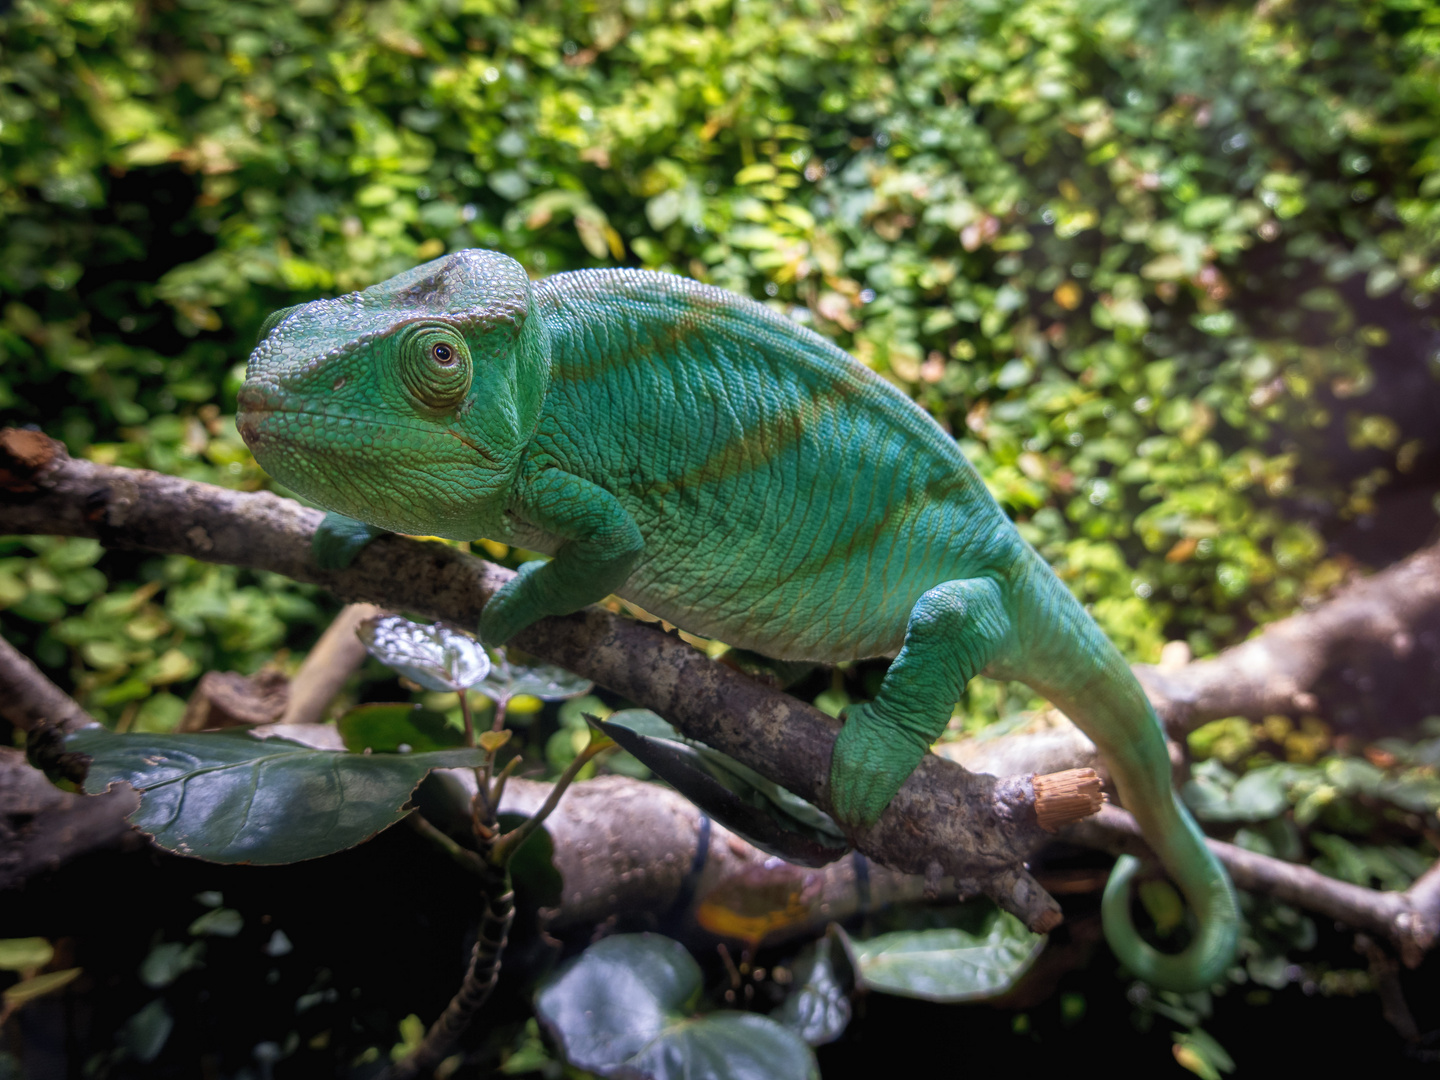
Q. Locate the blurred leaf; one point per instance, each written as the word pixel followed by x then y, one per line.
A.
pixel 434 656
pixel 221 922
pixel 625 1007
pixel 168 960
pixel 230 797
pixel 146 1033
pixel 27 990
pixel 22 954
pixel 818 1005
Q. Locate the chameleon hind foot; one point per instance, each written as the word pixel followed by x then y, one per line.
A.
pixel 869 766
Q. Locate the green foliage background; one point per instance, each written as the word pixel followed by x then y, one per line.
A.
pixel 1142 257
pixel 1098 239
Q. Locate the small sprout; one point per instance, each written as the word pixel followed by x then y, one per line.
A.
pixel 490 741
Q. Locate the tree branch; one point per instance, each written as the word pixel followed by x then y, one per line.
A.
pixel 1279 670
pixel 28 699
pixel 945 822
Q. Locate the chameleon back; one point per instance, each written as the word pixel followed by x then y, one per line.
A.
pixel 792 502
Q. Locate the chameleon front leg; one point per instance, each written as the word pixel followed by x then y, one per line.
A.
pixel 955 629
pixel 338 539
pixel 600 546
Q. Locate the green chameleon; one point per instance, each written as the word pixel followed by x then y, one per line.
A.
pixel 730 472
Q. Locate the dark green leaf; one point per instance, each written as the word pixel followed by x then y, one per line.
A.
pixel 764 813
pixel 168 960
pixel 625 1008
pixel 818 1007
pixel 233 798
pixel 145 1033
pixel 400 727
pixel 532 867
pixel 435 656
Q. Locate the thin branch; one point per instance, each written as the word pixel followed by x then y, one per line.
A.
pixel 944 822
pixel 28 699
pixel 510 843
pixel 1410 919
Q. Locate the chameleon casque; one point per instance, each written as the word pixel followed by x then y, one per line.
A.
pixel 732 473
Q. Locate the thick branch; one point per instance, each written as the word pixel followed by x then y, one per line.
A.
pixel 1278 671
pixel 945 822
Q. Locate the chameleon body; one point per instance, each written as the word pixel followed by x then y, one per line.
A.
pixel 731 472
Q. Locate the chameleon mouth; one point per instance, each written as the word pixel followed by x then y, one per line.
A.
pixel 252 412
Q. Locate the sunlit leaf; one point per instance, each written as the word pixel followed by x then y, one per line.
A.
pixel 435 656
pixel 544 681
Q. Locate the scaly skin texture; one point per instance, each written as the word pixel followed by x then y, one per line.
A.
pixel 733 473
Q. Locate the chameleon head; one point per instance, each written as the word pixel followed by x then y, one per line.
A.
pixel 407 405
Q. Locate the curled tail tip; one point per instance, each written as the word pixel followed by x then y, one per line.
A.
pixel 1203 963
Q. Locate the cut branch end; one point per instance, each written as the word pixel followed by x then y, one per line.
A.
pixel 1065 797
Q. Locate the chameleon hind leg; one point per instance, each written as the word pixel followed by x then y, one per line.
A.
pixel 954 630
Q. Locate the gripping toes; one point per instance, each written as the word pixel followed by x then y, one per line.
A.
pixel 512 608
pixel 871 762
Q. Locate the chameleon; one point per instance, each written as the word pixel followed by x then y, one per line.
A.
pixel 722 467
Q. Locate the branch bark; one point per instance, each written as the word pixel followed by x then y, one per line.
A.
pixel 945 822
pixel 28 699
pixel 1279 670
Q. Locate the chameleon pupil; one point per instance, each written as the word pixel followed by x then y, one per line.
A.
pixel 443 353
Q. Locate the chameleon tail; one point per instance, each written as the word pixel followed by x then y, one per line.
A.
pixel 1075 665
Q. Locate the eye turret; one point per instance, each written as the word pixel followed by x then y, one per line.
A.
pixel 435 365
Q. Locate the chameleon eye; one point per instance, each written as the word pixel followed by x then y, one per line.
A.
pixel 435 366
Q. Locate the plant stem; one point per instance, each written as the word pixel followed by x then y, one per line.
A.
pixel 480 979
pixel 465 714
pixel 508 844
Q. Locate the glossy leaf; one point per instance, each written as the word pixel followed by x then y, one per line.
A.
pixel 548 682
pixel 233 798
pixel 435 656
pixel 625 1007
pixel 764 813
pixel 948 963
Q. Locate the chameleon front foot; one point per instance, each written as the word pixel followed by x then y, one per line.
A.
pixel 871 762
pixel 338 539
